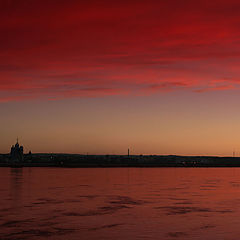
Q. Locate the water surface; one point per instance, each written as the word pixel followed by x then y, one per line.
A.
pixel 120 203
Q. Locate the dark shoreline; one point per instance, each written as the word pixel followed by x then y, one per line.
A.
pixel 104 161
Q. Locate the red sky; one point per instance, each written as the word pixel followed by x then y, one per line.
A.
pixel 65 49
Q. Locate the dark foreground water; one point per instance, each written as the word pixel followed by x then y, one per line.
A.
pixel 120 203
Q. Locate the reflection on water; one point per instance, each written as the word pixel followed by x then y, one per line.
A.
pixel 119 203
pixel 16 178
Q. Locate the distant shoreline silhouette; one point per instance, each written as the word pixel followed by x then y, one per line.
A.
pixel 80 160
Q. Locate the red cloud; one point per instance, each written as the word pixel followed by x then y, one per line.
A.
pixel 61 49
pixel 223 87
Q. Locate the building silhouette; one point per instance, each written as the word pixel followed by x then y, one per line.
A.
pixel 16 154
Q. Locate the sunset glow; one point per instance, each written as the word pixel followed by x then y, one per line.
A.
pixel 99 77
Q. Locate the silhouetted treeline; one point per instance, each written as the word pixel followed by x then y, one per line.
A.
pixel 78 160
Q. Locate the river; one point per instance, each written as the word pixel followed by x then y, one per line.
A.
pixel 119 203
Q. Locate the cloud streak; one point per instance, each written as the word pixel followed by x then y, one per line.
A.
pixel 64 49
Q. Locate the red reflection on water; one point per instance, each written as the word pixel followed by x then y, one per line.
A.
pixel 117 203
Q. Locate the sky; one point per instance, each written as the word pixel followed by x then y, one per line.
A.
pixel 99 77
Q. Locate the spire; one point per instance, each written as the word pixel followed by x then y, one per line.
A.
pixel 17 144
